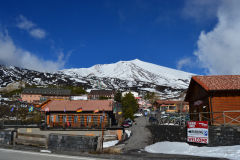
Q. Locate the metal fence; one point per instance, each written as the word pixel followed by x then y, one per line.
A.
pixel 214 118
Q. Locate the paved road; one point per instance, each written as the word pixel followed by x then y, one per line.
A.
pixel 9 154
pixel 140 135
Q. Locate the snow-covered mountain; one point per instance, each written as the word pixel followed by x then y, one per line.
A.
pixel 135 75
pixel 12 74
pixel 133 71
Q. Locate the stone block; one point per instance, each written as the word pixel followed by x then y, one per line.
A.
pixel 73 143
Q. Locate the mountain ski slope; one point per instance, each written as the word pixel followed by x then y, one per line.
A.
pixel 135 70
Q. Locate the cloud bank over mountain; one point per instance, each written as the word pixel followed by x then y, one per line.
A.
pixel 218 50
pixel 11 54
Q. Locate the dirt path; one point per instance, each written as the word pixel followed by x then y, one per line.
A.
pixel 140 135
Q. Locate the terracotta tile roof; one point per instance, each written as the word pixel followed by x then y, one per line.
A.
pixel 219 82
pixel 73 105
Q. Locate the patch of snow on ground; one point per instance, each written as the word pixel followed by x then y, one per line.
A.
pixel 45 151
pixel 230 152
pixel 109 143
pixel 78 80
pixel 128 133
pixel 148 89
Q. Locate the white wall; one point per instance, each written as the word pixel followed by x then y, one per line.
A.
pixel 83 97
pixel 135 94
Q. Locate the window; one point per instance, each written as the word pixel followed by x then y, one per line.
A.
pixel 75 119
pixel 95 120
pixel 172 107
pixel 51 118
pixel 69 118
pixel 57 118
pixel 82 120
pixel 89 119
pixel 164 108
pixel 101 119
pixel 64 119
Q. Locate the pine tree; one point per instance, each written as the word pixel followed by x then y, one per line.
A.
pixel 130 106
pixel 118 97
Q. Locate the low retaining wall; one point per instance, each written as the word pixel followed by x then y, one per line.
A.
pixel 168 133
pixel 31 139
pixel 218 135
pixel 224 136
pixel 6 137
pixel 74 143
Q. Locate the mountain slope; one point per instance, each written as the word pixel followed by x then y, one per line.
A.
pixel 135 70
pixel 12 74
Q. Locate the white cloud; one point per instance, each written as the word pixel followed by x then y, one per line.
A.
pixel 24 23
pixel 30 27
pixel 184 62
pixel 38 33
pixel 218 51
pixel 201 10
pixel 10 54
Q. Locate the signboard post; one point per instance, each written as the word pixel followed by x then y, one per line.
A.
pixel 197 131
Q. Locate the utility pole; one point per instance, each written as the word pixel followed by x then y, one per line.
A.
pixel 103 117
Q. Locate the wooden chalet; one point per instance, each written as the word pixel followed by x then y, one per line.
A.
pixel 78 113
pixel 171 106
pixel 215 99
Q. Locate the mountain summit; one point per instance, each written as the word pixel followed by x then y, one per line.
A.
pixel 135 71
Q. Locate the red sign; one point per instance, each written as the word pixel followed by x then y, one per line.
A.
pixel 197 124
pixel 197 131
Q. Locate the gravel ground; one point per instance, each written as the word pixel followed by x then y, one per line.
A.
pixel 140 137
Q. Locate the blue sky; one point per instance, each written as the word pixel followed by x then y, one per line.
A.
pixel 62 34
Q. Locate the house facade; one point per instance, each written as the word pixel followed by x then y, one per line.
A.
pixel 171 106
pixel 98 94
pixel 89 114
pixel 215 99
pixel 135 94
pixel 37 95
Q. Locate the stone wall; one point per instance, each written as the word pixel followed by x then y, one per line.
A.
pixel 72 143
pixel 218 135
pixel 224 136
pixel 168 133
pixel 6 137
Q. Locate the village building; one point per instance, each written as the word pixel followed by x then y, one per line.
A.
pixel 79 113
pixel 79 97
pixel 135 94
pixel 101 94
pixel 215 99
pixel 171 106
pixel 38 95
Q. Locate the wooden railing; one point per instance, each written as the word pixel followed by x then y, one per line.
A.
pixel 214 118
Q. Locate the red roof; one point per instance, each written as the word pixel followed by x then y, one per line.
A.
pixel 218 82
pixel 73 105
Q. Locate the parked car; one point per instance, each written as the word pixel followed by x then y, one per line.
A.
pixel 138 115
pixel 129 121
pixel 125 124
pixel 153 120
